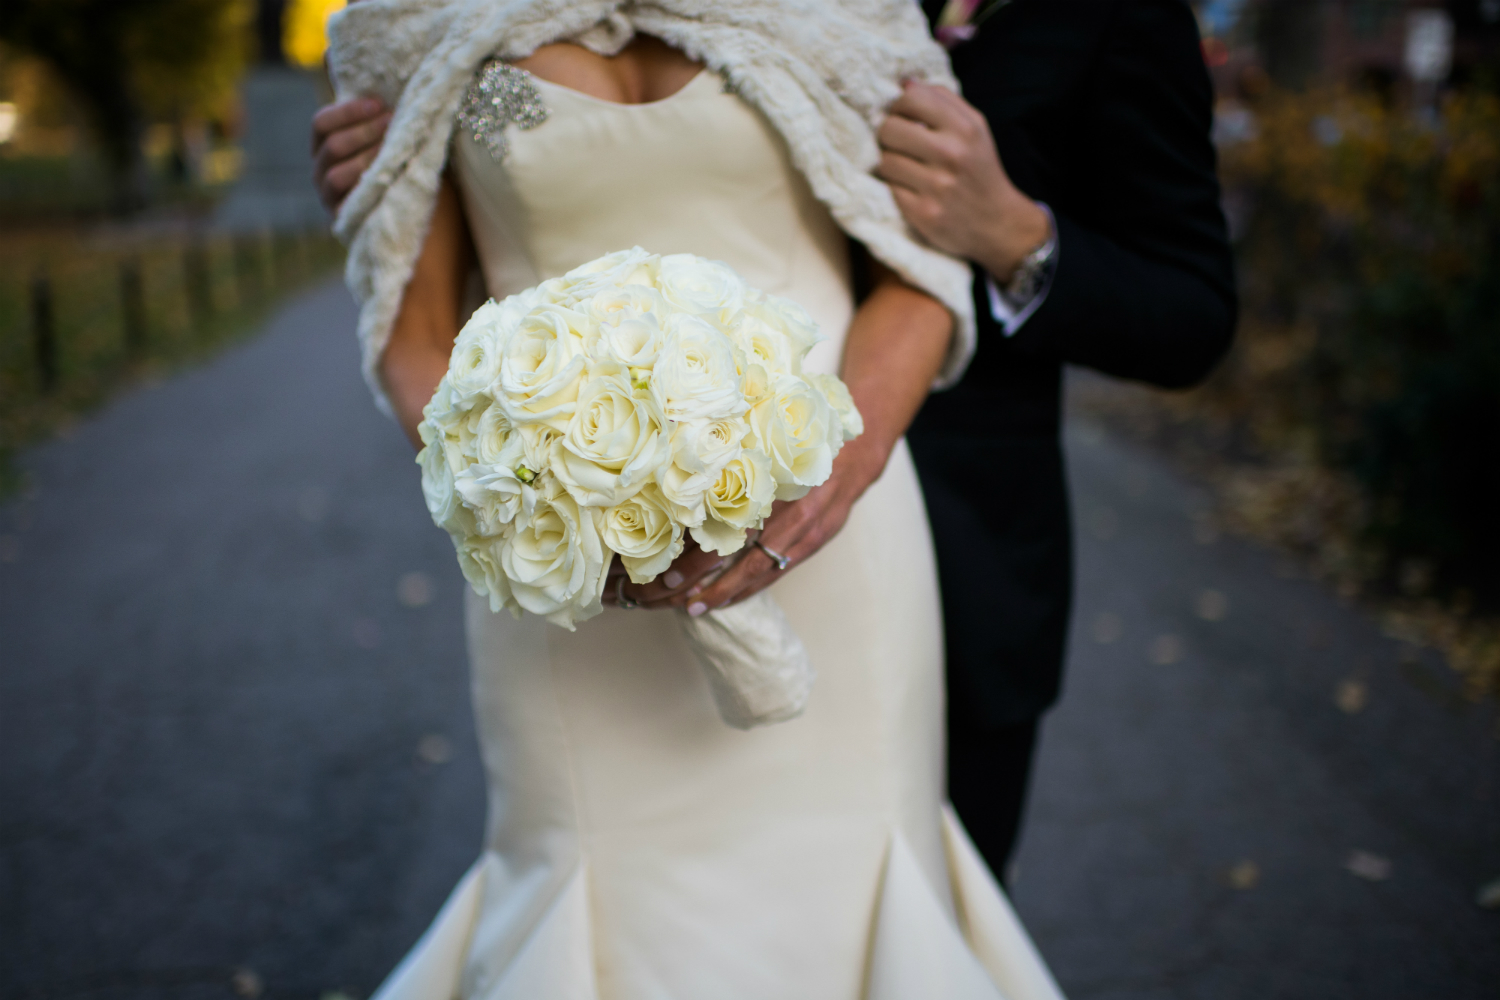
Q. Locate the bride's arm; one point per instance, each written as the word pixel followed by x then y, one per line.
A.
pixel 896 344
pixel 431 313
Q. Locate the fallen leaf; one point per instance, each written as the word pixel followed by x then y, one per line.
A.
pixel 246 983
pixel 1370 867
pixel 1243 875
pixel 414 590
pixel 1212 605
pixel 1351 696
pixel 435 749
pixel 1167 649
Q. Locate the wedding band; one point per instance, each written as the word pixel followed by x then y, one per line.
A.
pixel 620 597
pixel 781 561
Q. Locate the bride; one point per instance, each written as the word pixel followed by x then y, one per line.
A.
pixel 636 846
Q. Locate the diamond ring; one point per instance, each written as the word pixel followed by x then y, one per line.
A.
pixel 620 597
pixel 781 561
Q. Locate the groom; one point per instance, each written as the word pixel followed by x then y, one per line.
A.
pixel 1079 179
pixel 1080 182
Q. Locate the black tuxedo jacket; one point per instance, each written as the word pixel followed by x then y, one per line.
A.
pixel 1101 109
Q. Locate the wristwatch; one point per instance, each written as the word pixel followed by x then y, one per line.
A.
pixel 1032 273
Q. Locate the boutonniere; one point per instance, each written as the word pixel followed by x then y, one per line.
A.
pixel 960 19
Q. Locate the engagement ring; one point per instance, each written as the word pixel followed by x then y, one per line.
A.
pixel 620 597
pixel 781 561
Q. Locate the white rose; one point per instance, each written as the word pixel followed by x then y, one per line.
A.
pixel 798 430
pixel 851 424
pixel 642 531
pixel 494 437
pixel 479 561
pixel 441 461
pixel 763 344
pixel 624 267
pixel 554 558
pixel 739 499
pixel 708 445
pixel 475 360
pixel 755 383
pixel 614 444
pixel 442 407
pixel 700 450
pixel 708 287
pixel 790 320
pixel 633 341
pixel 493 496
pixel 541 365
pixel 537 441
pixel 617 304
pixel 696 374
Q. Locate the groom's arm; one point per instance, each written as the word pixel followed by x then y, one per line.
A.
pixel 346 136
pixel 1143 284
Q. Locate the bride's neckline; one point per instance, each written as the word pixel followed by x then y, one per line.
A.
pixel 697 77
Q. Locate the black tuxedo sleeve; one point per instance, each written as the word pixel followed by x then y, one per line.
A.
pixel 1144 287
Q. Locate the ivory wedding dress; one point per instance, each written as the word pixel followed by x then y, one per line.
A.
pixel 637 847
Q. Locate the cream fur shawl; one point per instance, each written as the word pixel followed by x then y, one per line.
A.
pixel 821 71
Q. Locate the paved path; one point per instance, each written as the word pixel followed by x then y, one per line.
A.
pixel 236 755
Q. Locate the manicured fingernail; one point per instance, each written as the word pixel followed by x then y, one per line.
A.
pixel 672 579
pixel 695 590
pixel 697 608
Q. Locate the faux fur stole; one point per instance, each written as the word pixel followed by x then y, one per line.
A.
pixel 821 71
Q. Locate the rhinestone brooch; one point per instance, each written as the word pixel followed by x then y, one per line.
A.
pixel 499 96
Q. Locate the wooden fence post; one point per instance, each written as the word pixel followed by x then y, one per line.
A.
pixel 249 268
pixel 44 330
pixel 133 307
pixel 195 276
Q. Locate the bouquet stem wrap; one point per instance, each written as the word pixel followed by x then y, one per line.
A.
pixel 757 666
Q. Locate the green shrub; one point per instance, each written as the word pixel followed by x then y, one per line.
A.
pixel 1370 339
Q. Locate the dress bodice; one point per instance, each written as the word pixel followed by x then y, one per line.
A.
pixel 698 172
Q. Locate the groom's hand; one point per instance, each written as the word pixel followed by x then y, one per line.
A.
pixel 346 136
pixel 939 158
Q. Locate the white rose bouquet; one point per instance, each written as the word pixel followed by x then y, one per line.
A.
pixel 615 410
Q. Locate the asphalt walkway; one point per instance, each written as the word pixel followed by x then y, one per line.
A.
pixel 236 758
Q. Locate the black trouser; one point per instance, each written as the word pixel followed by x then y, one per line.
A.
pixel 989 768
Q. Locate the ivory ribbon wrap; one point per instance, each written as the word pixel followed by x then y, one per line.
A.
pixel 756 664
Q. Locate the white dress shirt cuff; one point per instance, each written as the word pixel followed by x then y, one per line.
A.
pixel 1012 317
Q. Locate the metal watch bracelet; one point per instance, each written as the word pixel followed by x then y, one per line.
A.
pixel 1031 274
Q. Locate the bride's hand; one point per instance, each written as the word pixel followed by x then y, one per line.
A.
pixel 795 530
pixel 686 571
pixel 895 346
